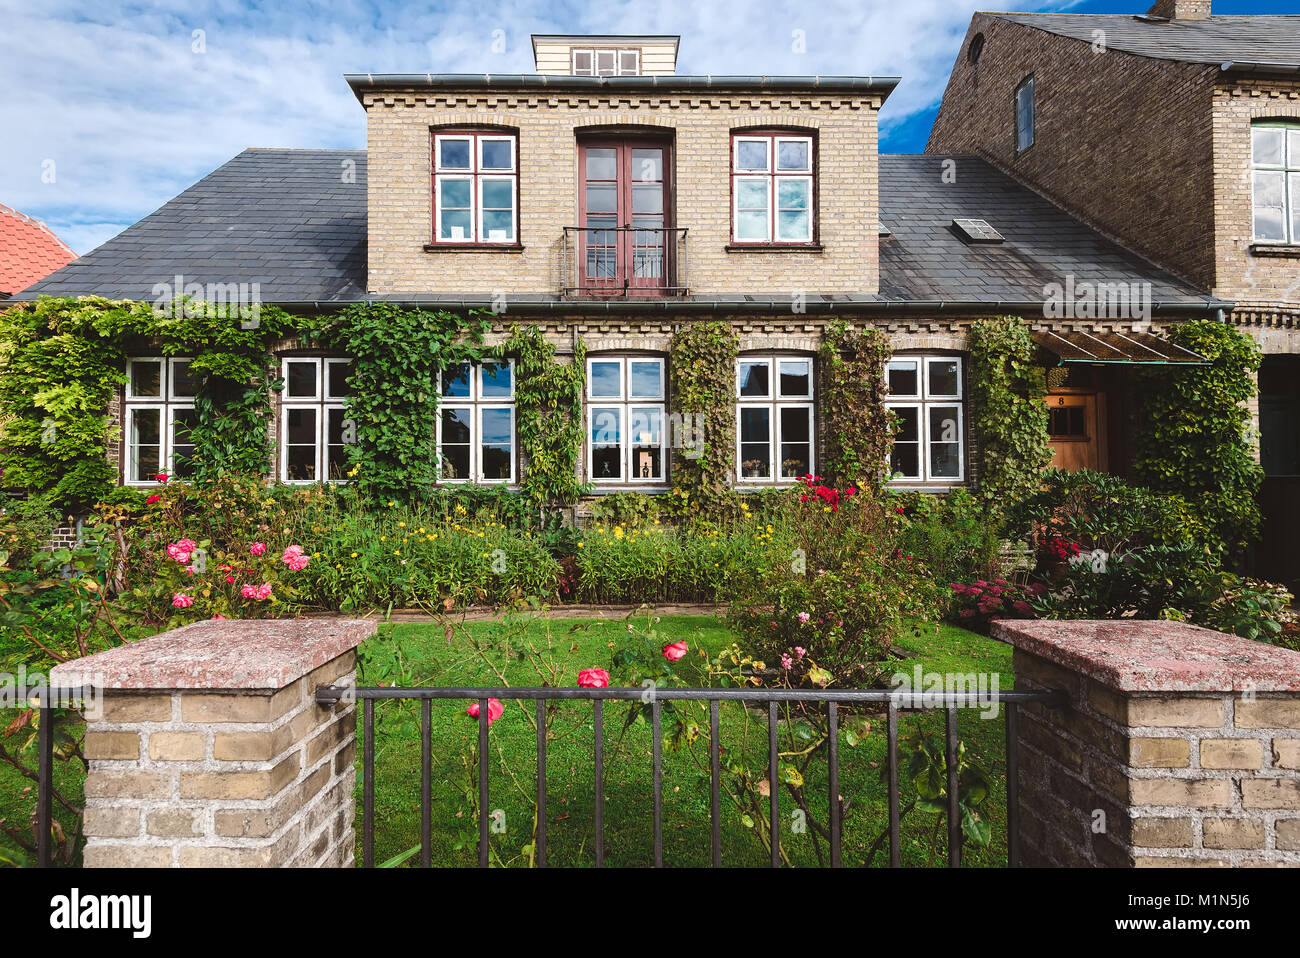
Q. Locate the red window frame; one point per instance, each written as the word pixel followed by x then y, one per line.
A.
pixel 475 175
pixel 771 135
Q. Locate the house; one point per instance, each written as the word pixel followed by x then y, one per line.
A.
pixel 609 199
pixel 29 251
pixel 1176 133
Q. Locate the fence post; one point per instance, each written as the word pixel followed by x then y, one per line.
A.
pixel 206 747
pixel 1179 746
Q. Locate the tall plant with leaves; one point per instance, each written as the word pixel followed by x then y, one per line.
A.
pixel 548 411
pixel 1193 432
pixel 397 355
pixel 1008 413
pixel 703 386
pixel 853 389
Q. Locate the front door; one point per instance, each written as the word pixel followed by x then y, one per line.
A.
pixel 1074 431
pixel 623 209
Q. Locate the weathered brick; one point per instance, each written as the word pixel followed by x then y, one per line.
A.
pixel 331 737
pixel 178 746
pixel 127 784
pixel 268 856
pixel 1286 753
pixel 112 745
pixel 1175 712
pixel 1245 753
pixel 1288 835
pixel 112 822
pixel 1108 702
pixel 1159 752
pixel 255 785
pixel 240 707
pixel 1162 832
pixel 174 822
pixel 126 856
pixel 1192 793
pixel 1233 833
pixel 1270 793
pixel 125 708
pixel 1268 713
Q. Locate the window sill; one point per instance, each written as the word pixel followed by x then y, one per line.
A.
pixel 1285 250
pixel 473 248
pixel 775 248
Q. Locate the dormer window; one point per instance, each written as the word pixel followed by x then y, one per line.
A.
pixel 606 62
pixel 476 188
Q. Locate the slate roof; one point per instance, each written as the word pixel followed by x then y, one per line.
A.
pixel 29 251
pixel 1215 39
pixel 286 219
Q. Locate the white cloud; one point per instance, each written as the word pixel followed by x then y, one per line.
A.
pixel 130 114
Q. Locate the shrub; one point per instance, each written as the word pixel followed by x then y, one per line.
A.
pixel 950 534
pixel 978 603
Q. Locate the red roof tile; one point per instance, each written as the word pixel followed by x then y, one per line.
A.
pixel 29 251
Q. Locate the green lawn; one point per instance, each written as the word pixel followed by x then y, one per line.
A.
pixel 472 654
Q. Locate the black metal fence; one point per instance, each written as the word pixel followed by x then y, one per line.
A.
pixel 831 699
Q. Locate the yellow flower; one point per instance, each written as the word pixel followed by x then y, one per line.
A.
pixel 392 504
pixel 354 555
pixel 618 532
pixel 579 545
pixel 401 525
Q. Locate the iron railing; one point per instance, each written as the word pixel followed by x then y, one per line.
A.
pixel 624 261
pixel 896 701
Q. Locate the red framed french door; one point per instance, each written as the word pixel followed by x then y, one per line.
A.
pixel 623 205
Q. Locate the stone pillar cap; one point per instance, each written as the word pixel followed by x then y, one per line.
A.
pixel 1141 655
pixel 219 654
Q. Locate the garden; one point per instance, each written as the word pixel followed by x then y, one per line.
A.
pixel 840 581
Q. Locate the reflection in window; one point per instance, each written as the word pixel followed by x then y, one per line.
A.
pixel 159 417
pixel 476 423
pixel 625 419
pixel 774 418
pixel 925 394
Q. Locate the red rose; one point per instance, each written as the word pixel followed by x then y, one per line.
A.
pixel 495 710
pixel 593 679
pixel 152 499
pixel 675 651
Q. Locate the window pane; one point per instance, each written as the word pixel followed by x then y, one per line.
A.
pixel 751 194
pixel 301 427
pixel 582 63
pixel 456 225
pixel 455 425
pixel 146 427
pixel 498 225
pixel 646 379
pixel 497 154
pixel 945 445
pixel 648 165
pixel 145 458
pixel 336 450
pixel 183 422
pixel 751 155
pixel 796 442
pixel 455 381
pixel 337 379
pixel 496 443
pixel 454 209
pixel 796 378
pixel 793 155
pixel 602 198
pixel 605 63
pixel 755 443
pixel 300 380
pixel 453 154
pixel 606 380
pixel 146 379
pixel 902 379
pixel 606 442
pixel 1295 206
pixel 602 163
pixel 647 198
pixel 753 379
pixel 793 226
pixel 300 444
pixel 495 380
pixel 499 194
pixel 1267 145
pixel 627 63
pixel 647 440
pixel 942 377
pixel 184 386
pixel 751 226
pixel 1293 147
pixel 904 457
pixel 792 194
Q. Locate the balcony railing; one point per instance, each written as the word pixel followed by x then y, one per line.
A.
pixel 624 261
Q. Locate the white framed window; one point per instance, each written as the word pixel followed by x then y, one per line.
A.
pixel 1275 187
pixel 775 418
pixel 315 430
pixel 772 189
pixel 606 63
pixel 626 419
pixel 476 188
pixel 476 423
pixel 926 396
pixel 1024 106
pixel 158 418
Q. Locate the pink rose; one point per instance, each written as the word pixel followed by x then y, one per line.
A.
pixel 786 662
pixel 495 710
pixel 230 580
pixel 593 679
pixel 800 651
pixel 249 591
pixel 220 618
pixel 264 591
pixel 256 549
pixel 182 601
pixel 803 618
pixel 294 558
pixel 675 651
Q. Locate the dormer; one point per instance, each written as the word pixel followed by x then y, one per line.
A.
pixel 605 56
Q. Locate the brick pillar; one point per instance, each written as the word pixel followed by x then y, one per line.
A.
pixel 206 747
pixel 1179 746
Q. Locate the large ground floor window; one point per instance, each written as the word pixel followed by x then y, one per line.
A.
pixel 314 427
pixel 625 419
pixel 774 418
pixel 476 423
pixel 159 415
pixel 925 393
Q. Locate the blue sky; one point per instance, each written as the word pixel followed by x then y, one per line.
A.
pixel 109 110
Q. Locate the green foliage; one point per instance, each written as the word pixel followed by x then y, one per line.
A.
pixel 1007 410
pixel 703 372
pixel 397 356
pixel 950 534
pixel 853 390
pixel 1192 436
pixel 548 401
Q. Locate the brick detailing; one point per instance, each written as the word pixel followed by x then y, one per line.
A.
pixel 1132 779
pixel 262 778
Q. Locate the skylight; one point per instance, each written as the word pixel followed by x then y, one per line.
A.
pixel 976 231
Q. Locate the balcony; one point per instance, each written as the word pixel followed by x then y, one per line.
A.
pixel 623 261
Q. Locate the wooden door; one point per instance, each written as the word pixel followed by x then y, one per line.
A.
pixel 1074 431
pixel 623 206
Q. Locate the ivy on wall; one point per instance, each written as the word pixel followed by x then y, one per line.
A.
pixel 393 403
pixel 702 359
pixel 548 403
pixel 63 359
pixel 1192 434
pixel 858 427
pixel 1008 414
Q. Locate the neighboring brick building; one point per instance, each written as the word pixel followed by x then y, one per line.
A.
pixel 29 251
pixel 1177 133
pixel 608 199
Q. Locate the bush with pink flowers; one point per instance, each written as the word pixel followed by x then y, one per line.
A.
pixel 977 603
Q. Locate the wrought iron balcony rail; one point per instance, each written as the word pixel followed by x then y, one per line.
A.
pixel 624 261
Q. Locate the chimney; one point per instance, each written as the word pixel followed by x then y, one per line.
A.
pixel 1180 9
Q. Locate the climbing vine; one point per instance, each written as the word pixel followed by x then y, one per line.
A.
pixel 703 386
pixel 1007 410
pixel 858 427
pixel 548 403
pixel 1192 434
